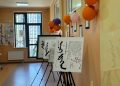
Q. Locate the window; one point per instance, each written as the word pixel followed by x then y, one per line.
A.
pixel 27 28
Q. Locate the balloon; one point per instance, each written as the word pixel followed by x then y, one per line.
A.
pixel 57 27
pixel 75 18
pixel 52 30
pixel 51 24
pixel 57 21
pixel 89 13
pixel 90 2
pixel 67 19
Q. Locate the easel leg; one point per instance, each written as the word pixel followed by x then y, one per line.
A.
pixel 70 74
pixel 68 81
pixel 44 73
pixel 53 73
pixel 60 79
pixel 36 74
pixel 48 77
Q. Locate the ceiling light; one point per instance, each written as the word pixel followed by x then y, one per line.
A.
pixel 22 4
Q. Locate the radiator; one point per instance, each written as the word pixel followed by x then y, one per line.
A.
pixel 15 55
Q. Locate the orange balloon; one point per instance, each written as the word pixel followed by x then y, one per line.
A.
pixel 89 13
pixel 51 24
pixel 57 27
pixel 52 30
pixel 90 2
pixel 67 19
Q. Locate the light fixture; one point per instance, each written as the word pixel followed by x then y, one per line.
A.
pixel 22 4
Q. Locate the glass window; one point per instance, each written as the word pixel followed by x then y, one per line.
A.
pixel 19 18
pixel 27 28
pixel 20 36
pixel 33 50
pixel 34 31
pixel 34 18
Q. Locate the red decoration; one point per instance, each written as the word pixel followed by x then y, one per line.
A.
pixel 90 2
pixel 67 19
pixel 52 30
pixel 51 24
pixel 89 13
pixel 56 27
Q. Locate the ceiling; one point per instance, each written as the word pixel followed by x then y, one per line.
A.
pixel 32 3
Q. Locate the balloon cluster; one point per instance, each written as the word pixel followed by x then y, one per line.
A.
pixel 54 25
pixel 89 12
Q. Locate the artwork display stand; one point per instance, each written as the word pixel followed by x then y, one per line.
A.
pixel 48 74
pixel 60 49
pixel 66 79
pixel 44 73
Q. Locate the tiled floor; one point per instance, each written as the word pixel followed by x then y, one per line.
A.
pixel 26 74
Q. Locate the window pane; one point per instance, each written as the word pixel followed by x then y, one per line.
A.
pixel 19 18
pixel 33 51
pixel 34 31
pixel 33 18
pixel 20 36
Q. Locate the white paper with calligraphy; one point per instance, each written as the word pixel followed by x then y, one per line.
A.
pixel 68 54
pixel 49 49
pixel 41 44
pixel 41 47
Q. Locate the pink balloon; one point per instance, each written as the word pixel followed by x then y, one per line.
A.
pixel 75 18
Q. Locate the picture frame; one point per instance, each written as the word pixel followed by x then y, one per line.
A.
pixel 41 42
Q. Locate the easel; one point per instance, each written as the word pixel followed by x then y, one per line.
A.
pixel 36 74
pixel 66 79
pixel 43 74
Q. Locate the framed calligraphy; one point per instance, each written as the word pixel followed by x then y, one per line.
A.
pixel 68 54
pixel 44 45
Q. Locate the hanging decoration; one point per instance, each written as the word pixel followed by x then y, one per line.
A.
pixel 75 17
pixel 89 13
pixel 51 24
pixel 67 19
pixel 90 2
pixel 57 21
pixel 55 25
pixel 51 30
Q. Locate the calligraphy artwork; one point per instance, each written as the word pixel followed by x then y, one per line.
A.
pixel 68 54
pixel 44 46
pixel 49 49
pixel 41 47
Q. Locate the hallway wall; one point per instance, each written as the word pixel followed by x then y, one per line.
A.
pixel 110 42
pixel 7 15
